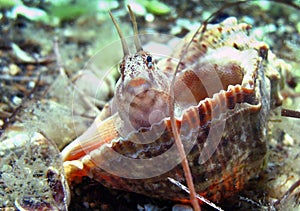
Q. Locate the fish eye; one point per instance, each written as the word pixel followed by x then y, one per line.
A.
pixel 149 59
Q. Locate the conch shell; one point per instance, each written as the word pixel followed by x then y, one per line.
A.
pixel 223 96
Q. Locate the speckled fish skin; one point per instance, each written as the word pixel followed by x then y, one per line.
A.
pixel 243 107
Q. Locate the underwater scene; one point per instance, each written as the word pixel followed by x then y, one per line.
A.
pixel 149 105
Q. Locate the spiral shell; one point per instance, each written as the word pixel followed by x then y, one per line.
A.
pixel 223 97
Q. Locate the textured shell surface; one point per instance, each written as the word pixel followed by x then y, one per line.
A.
pixel 223 97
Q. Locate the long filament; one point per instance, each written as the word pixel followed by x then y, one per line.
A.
pixel 123 41
pixel 137 41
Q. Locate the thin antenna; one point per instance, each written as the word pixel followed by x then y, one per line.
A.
pixel 123 41
pixel 137 41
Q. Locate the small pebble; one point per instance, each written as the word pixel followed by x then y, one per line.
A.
pixel 181 207
pixel 86 204
pixel 16 100
pixel 147 207
pixel 104 5
pixel 176 30
pixel 270 28
pixel 30 67
pixel 31 84
pixel 92 205
pixel 248 20
pixel 149 17
pixel 288 140
pixel 264 5
pixel 14 69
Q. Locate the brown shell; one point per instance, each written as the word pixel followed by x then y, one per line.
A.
pixel 220 167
